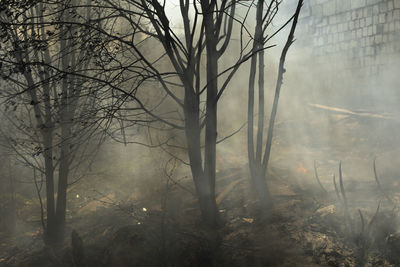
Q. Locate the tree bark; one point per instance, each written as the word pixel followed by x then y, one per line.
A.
pixel 51 228
pixel 192 130
pixel 257 172
pixel 211 113
pixel 63 179
pixel 258 161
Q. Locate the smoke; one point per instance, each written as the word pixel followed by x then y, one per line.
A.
pixel 338 103
pixel 334 106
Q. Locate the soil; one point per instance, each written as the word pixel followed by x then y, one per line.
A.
pixel 309 225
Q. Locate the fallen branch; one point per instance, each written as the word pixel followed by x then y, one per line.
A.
pixel 349 112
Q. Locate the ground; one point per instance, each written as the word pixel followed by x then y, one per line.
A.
pixel 307 226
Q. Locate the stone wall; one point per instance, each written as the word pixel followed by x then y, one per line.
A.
pixel 363 34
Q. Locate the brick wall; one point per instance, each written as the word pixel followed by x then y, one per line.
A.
pixel 364 34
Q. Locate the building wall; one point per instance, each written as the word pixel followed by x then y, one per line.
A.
pixel 363 34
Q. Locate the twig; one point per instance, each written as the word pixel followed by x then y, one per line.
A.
pixel 336 188
pixel 379 184
pixel 374 217
pixel 376 177
pixel 341 183
pixel 345 203
pixel 279 83
pixel 316 177
pixel 169 177
pixel 38 190
pixel 232 134
pixel 362 222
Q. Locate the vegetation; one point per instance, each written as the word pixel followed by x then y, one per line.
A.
pixel 81 79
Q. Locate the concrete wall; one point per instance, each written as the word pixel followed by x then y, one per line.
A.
pixel 364 34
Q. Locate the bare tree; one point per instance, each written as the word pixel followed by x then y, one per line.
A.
pixel 258 154
pixel 8 200
pixel 185 66
pixel 54 112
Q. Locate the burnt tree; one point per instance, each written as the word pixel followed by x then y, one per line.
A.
pixel 258 154
pixel 54 111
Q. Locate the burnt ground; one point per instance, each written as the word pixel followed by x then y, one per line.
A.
pixel 308 226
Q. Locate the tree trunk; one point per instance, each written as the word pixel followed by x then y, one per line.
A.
pixel 211 114
pixel 204 193
pixel 257 172
pixel 51 227
pixel 63 179
pixel 261 188
pixel 204 177
pixel 66 114
pixel 258 164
